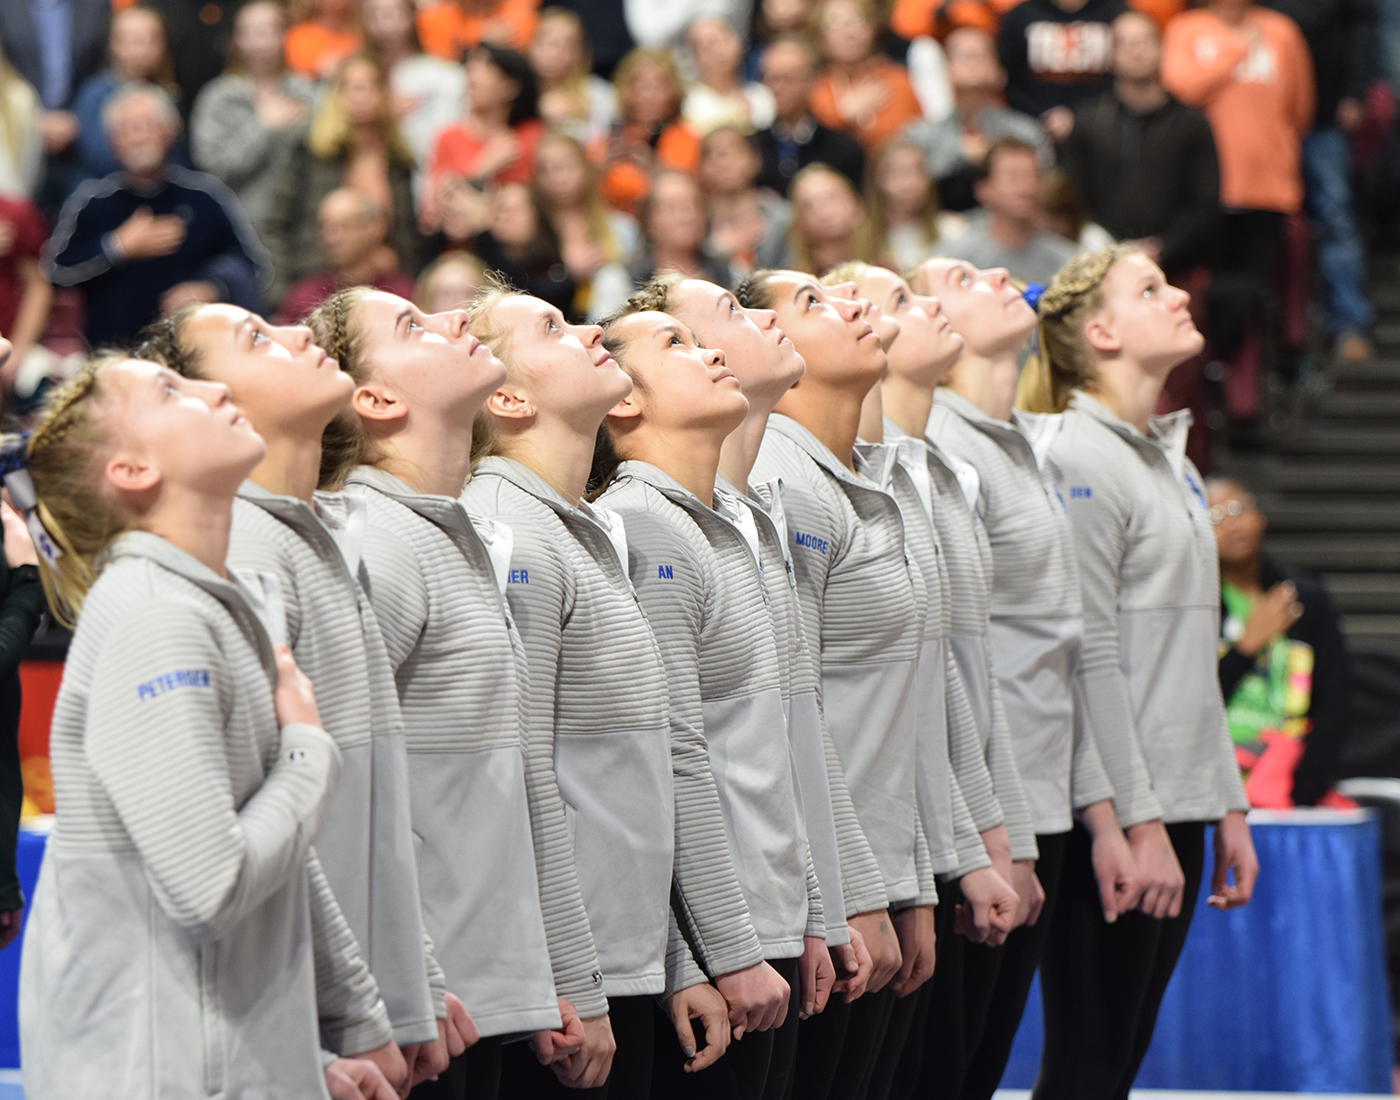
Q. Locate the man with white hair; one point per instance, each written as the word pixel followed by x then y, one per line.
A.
pixel 151 237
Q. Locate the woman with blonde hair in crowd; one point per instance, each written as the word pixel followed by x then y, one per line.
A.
pixel 650 136
pixel 572 99
pixel 829 224
pixel 324 34
pixel 620 787
pixel 427 91
pixel 353 143
pixel 595 241
pixel 437 583
pixel 21 148
pixel 901 202
pixel 247 122
pixel 1111 330
pixel 191 773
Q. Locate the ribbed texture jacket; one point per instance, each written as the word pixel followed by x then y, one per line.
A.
pixel 858 605
pixel 1036 624
pixel 1150 575
pixel 599 761
pixel 366 837
pixel 462 683
pixel 829 818
pixel 948 823
pixel 181 921
pixel 700 579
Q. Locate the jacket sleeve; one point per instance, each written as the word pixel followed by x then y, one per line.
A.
pixel 78 251
pixel 161 761
pixel 1099 522
pixel 1089 782
pixel 397 593
pixel 816 913
pixel 352 1016
pixel 708 899
pixel 226 136
pixel 682 971
pixel 969 756
pixel 862 885
pixel 539 610
pixel 1006 777
pixel 923 868
pixel 972 853
pixel 1184 73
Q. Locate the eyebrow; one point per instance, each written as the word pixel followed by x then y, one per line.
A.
pixel 404 315
pixel 725 299
pixel 806 284
pixel 246 323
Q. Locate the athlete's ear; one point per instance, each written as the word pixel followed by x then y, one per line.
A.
pixel 374 401
pixel 1098 331
pixel 131 472
pixel 627 409
pixel 510 402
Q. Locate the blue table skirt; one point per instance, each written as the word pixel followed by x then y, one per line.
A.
pixel 1285 995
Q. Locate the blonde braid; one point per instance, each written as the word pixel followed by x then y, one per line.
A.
pixel 1063 362
pixel 345 444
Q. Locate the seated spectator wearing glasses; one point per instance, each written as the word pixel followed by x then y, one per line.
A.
pixel 354 232
pixel 796 139
pixel 1006 231
pixel 153 237
pixel 1283 661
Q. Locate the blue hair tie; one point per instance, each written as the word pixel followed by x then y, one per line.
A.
pixel 1033 293
pixel 14 453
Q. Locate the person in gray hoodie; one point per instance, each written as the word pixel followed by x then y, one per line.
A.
pixel 1111 332
pixel 437 580
pixel 859 607
pixel 696 566
pixel 1035 630
pixel 183 939
pixel 290 389
pixel 607 825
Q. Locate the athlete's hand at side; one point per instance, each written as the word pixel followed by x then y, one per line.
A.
pixel 458 1029
pixel 1234 851
pixel 590 1065
pixel 1162 880
pixel 816 975
pixel 1030 895
pixel 390 1063
pixel 426 1060
pixel 706 1004
pixel 757 997
pixel 988 909
pixel 877 930
pixel 917 945
pixel 554 1046
pixel 853 966
pixel 355 1079
pixel 1115 869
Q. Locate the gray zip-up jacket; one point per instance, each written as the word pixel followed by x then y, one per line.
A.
pixel 698 575
pixel 181 921
pixel 984 763
pixel 1036 621
pixel 437 590
pixel 1150 576
pixel 858 606
pixel 829 819
pixel 599 760
pixel 945 717
pixel 366 837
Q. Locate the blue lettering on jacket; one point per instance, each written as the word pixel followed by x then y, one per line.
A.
pixel 190 677
pixel 519 576
pixel 810 542
pixel 1197 492
pixel 663 573
pixel 1080 492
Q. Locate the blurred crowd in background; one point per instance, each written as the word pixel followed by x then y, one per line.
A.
pixel 167 151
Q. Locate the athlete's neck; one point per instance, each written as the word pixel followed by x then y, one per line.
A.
pixel 988 381
pixel 560 454
pixel 690 457
pixel 432 459
pixel 195 522
pixel 291 467
pixel 907 405
pixel 831 414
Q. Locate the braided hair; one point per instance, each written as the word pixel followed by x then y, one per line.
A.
pixel 162 341
pixel 1064 362
pixel 64 452
pixel 345 444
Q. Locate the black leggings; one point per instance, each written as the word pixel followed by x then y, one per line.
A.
pixel 523 1078
pixel 947 1025
pixel 1022 955
pixel 746 1072
pixel 820 1040
pixel 903 1016
pixel 475 1074
pixel 1101 983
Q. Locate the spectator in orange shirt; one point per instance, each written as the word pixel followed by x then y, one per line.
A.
pixel 327 36
pixel 1249 70
pixel 862 93
pixel 453 28
pixel 651 135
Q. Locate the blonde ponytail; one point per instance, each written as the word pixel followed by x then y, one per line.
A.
pixel 1063 362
